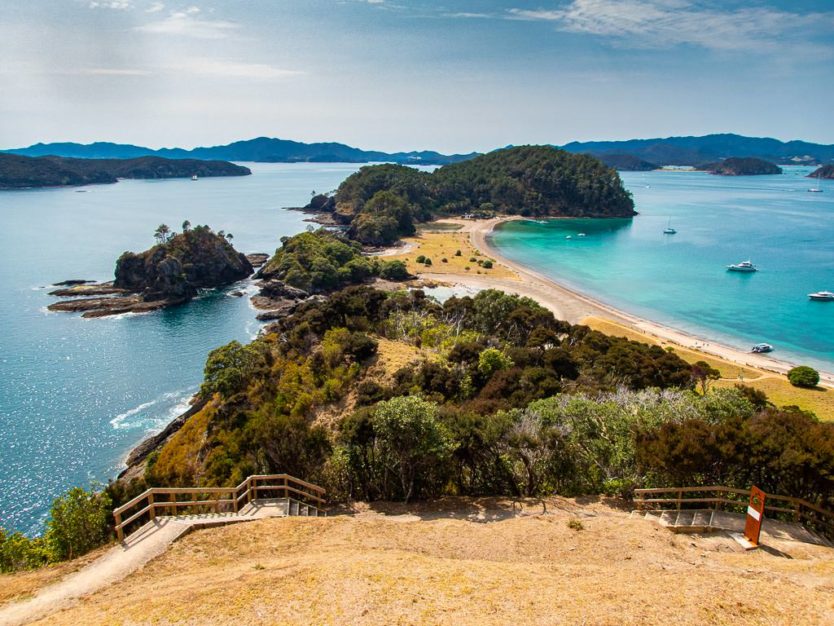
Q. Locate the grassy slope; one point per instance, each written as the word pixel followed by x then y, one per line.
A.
pixel 430 568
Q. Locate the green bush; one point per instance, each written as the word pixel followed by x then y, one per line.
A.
pixel 804 376
pixel 394 270
pixel 18 552
pixel 421 258
pixel 427 261
pixel 458 253
pixel 487 265
pixel 79 522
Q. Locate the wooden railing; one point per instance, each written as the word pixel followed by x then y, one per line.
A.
pixel 168 500
pixel 721 498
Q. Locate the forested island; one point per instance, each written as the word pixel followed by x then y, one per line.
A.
pixel 381 203
pixel 626 162
pixel 735 166
pixel 825 171
pixel 21 172
pixel 169 273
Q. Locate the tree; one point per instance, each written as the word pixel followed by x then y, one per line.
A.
pixel 79 523
pixel 229 236
pixel 493 360
pixel 186 226
pixel 162 233
pixel 703 374
pixel 412 438
pixel 394 270
pixel 804 376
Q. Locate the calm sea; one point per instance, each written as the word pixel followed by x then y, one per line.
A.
pixel 681 279
pixel 76 394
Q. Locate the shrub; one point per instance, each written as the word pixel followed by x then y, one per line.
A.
pixel 79 522
pixel 444 260
pixel 458 253
pixel 804 376
pixel 394 270
pixel 421 258
pixel 427 262
pixel 19 552
pixel 493 360
pixel 487 265
pixel 472 259
pixel 575 524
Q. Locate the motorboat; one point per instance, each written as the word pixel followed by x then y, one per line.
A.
pixel 744 266
pixel 822 296
pixel 669 230
pixel 194 177
pixel 581 235
pixel 761 348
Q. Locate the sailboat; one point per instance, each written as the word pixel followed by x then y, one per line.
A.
pixel 816 189
pixel 669 230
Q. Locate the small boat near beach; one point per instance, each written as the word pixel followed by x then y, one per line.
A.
pixel 194 177
pixel 761 348
pixel 669 230
pixel 822 296
pixel 744 266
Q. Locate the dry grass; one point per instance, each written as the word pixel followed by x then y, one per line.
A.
pixel 440 245
pixel 21 585
pixel 820 401
pixel 429 568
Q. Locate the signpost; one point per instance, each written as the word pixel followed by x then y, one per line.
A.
pixel 755 515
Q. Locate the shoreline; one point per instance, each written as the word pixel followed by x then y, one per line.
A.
pixel 575 307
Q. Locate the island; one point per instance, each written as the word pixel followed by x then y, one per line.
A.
pixel 742 166
pixel 824 171
pixel 22 172
pixel 169 273
pixel 381 203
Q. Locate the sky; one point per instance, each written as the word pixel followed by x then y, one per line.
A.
pixel 453 75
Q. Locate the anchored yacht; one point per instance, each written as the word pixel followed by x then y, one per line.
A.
pixel 744 266
pixel 823 296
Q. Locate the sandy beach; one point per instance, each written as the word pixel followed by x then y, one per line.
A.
pixel 577 308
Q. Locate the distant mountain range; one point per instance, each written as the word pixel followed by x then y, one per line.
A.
pixel 707 149
pixel 639 154
pixel 262 149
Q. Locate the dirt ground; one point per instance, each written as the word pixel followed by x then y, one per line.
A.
pixel 468 561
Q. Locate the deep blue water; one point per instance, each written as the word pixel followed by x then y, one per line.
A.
pixel 76 394
pixel 682 279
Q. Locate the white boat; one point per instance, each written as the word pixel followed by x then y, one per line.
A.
pixel 744 266
pixel 816 189
pixel 822 296
pixel 669 230
pixel 581 235
pixel 761 348
pixel 194 177
pixel 569 237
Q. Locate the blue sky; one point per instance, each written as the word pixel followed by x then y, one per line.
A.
pixel 413 74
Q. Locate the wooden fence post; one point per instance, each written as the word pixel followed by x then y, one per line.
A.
pixel 152 508
pixel 120 532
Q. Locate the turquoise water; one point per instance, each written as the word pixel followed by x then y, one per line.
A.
pixel 76 394
pixel 681 279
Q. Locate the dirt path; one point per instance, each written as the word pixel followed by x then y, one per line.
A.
pixel 147 543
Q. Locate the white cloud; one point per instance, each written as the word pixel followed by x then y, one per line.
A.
pixel 120 5
pixel 156 7
pixel 234 69
pixel 187 24
pixel 665 23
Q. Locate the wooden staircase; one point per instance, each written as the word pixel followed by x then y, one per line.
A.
pixel 259 496
pixel 704 509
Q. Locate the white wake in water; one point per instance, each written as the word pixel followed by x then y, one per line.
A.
pixel 155 414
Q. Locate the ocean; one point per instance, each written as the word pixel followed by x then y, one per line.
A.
pixel 681 280
pixel 76 394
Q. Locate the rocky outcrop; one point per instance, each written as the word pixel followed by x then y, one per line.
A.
pixel 742 167
pixel 825 171
pixel 167 274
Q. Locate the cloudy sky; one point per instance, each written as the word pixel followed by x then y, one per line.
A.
pixel 452 75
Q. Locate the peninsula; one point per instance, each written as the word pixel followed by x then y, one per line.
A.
pixel 825 171
pixel 21 172
pixel 167 274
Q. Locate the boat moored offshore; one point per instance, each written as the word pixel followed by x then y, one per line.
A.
pixel 823 296
pixel 761 348
pixel 744 266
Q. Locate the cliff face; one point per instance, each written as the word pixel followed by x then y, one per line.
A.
pixel 175 270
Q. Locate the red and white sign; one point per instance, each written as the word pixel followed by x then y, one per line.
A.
pixel 755 515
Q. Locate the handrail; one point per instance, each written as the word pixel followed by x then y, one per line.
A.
pixel 247 490
pixel 804 512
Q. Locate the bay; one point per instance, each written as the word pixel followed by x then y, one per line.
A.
pixel 681 280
